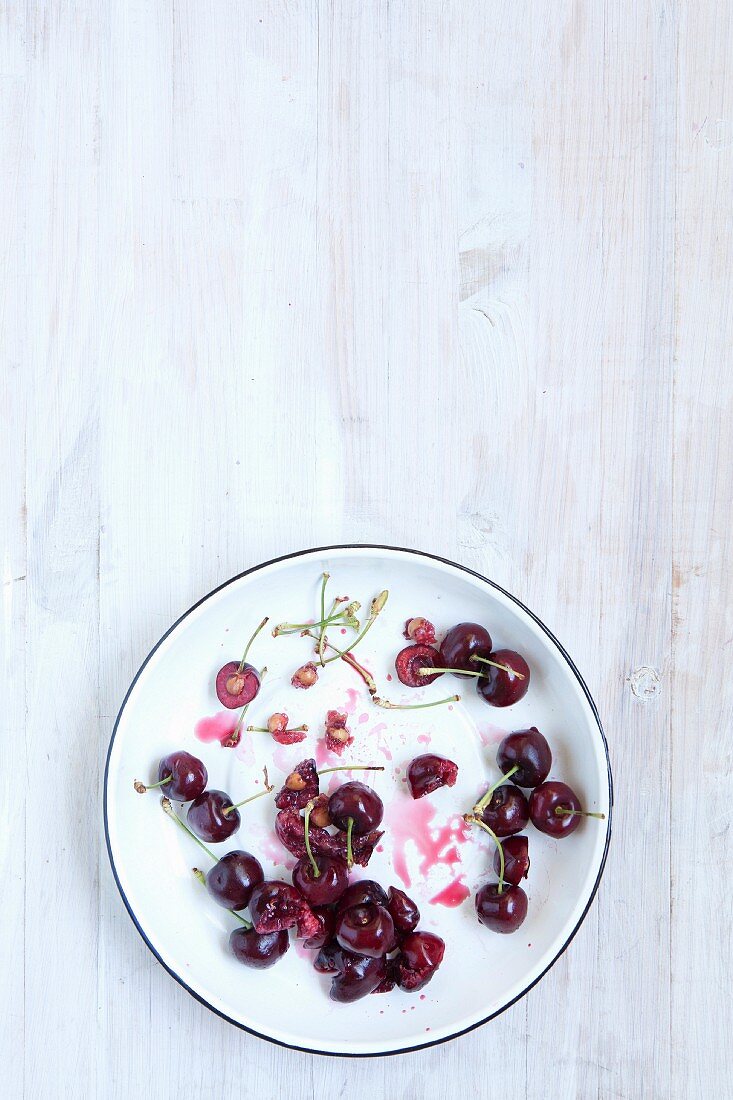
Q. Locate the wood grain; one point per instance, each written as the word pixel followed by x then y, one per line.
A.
pixel 454 276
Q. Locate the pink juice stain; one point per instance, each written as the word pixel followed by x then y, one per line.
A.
pixel 453 895
pixel 217 727
pixel 382 746
pixel 410 821
pixel 352 698
pixel 363 718
pixel 324 756
pixel 491 735
pixel 424 738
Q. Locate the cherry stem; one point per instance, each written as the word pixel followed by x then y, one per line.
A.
pixel 482 825
pixel 495 664
pixel 322 636
pixel 168 808
pixel 414 706
pixel 249 643
pixel 233 738
pixel 349 851
pixel 141 788
pixel 350 660
pixel 483 802
pixel 311 857
pixel 260 794
pixel 353 768
pixel 561 811
pixel 377 605
pixel 432 671
pixel 202 879
pixel 294 628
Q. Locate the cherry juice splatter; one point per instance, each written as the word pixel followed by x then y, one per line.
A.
pixel 217 727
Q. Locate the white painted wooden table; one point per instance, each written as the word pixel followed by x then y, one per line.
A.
pixel 447 275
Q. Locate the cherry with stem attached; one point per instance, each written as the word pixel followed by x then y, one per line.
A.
pixel 234 737
pixel 238 683
pixel 184 776
pixel 370 682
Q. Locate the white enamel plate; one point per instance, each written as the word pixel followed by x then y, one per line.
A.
pixel 426 850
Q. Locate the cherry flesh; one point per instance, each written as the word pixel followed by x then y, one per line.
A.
pixel 188 776
pixel 326 917
pixel 276 905
pixel 501 687
pixel 338 735
pixel 516 859
pixel 232 880
pixel 300 786
pixel 421 953
pixel 544 804
pixel 507 811
pixel 428 772
pixel 361 893
pixel 403 911
pixel 358 802
pixel 420 630
pixel 528 751
pixel 207 819
pixel 501 912
pixel 305 676
pixel 366 929
pixel 328 886
pixel 235 686
pixel 290 829
pixel 258 950
pixel 411 659
pixel 358 975
pixel 461 643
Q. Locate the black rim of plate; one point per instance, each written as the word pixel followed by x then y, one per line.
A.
pixel 586 692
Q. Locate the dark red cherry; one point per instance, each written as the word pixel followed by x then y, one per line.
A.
pixel 428 772
pixel 207 819
pixel 326 917
pixel 411 659
pixel 421 954
pixel 403 911
pixel 357 801
pixel 258 950
pixel 516 859
pixel 276 905
pixel 360 893
pixel 329 959
pixel 232 880
pixel 548 806
pixel 188 776
pixel 507 811
pixel 358 975
pixel 461 643
pixel 237 686
pixel 501 687
pixel 528 751
pixel 332 880
pixel 501 912
pixel 366 929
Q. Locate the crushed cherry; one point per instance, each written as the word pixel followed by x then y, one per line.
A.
pixel 410 660
pixel 326 917
pixel 421 953
pixel 429 772
pixel 276 905
pixel 420 630
pixel 338 735
pixel 290 830
pixel 300 786
pixel 305 676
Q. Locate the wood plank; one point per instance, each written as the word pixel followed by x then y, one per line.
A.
pixel 702 669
